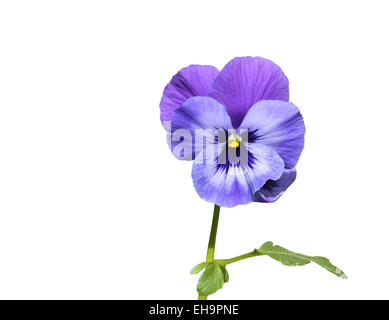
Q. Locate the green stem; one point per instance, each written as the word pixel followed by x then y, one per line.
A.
pixel 212 239
pixel 212 236
pixel 202 298
pixel 241 257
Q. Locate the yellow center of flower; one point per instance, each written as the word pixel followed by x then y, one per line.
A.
pixel 234 141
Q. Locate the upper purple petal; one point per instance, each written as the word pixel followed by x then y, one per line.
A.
pixel 273 189
pixel 279 125
pixel 200 116
pixel 245 81
pixel 195 80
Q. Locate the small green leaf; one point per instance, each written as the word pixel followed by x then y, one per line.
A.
pixel 225 273
pixel 286 257
pixel 198 268
pixel 211 280
pixel 290 258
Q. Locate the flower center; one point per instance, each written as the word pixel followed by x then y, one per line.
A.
pixel 234 141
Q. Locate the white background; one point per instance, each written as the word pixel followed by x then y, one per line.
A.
pixel 93 204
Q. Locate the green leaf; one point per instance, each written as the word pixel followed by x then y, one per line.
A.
pixel 225 273
pixel 211 280
pixel 198 268
pixel 290 258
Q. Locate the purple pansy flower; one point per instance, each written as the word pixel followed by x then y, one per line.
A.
pixel 249 97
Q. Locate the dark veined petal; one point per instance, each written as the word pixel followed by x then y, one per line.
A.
pixel 194 80
pixel 279 125
pixel 195 121
pixel 245 81
pixel 273 189
pixel 230 185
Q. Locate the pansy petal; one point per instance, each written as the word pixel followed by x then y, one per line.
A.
pixel 273 189
pixel 277 124
pixel 231 185
pixel 245 81
pixel 197 119
pixel 194 80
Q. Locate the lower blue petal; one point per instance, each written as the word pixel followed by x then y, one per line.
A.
pixel 234 184
pixel 279 125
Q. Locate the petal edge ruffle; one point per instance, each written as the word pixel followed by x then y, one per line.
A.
pixel 273 189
